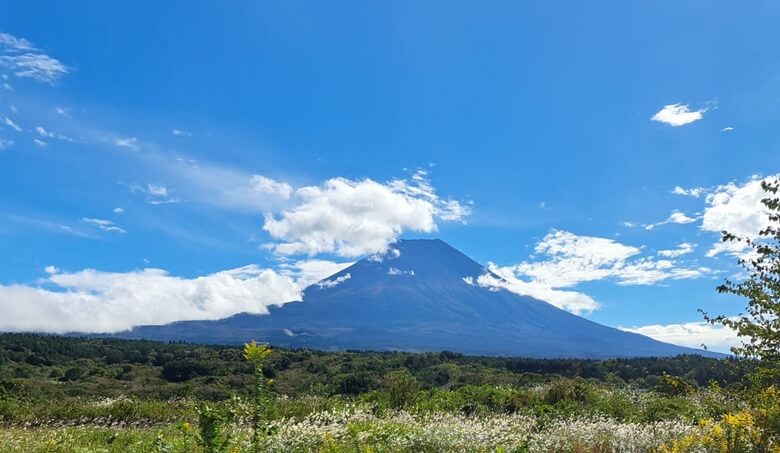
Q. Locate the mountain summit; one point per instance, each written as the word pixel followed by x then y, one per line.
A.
pixel 420 295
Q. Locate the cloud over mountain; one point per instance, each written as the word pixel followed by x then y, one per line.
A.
pixel 95 301
pixel 565 260
pixel 357 217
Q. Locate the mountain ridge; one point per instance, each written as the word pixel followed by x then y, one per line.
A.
pixel 419 295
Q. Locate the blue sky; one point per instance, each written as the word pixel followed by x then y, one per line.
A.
pixel 148 151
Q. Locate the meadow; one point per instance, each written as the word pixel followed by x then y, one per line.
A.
pixel 62 394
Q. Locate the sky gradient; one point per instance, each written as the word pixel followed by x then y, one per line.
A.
pixel 190 161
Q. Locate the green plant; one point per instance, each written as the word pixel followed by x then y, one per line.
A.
pixel 256 354
pixel 213 428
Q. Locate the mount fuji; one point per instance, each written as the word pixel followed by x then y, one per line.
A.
pixel 421 295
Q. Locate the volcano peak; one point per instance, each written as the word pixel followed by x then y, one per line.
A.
pixel 419 295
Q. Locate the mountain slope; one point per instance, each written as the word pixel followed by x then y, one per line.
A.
pixel 419 296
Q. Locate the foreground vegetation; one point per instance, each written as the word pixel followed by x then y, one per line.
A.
pixel 77 394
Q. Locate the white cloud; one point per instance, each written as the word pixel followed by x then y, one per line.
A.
pixel 51 269
pixel 8 122
pixel 157 190
pixel 181 133
pixel 72 231
pixel 42 132
pixel 5 143
pixel 573 259
pixel 48 134
pixel 675 217
pixel 127 142
pixel 118 211
pixel 738 210
pixel 94 301
pixel 352 218
pixel 26 61
pixel 573 301
pixel 39 142
pixel 570 260
pixel 678 115
pixel 156 194
pixel 389 254
pixel 679 217
pixel 727 129
pixel 683 248
pixel 62 112
pixel 694 192
pixel 330 283
pixel 309 272
pixel 649 271
pixel 692 334
pixel 394 271
pixel 105 225
pixel 269 186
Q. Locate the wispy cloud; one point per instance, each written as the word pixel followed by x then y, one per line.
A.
pixel 105 225
pixel 49 134
pixel 683 248
pixel 9 122
pixel 694 192
pixel 62 112
pixel 677 217
pixel 181 133
pixel 268 186
pixel 156 194
pixel 677 115
pixel 127 142
pixel 42 223
pixel 727 129
pixel 24 60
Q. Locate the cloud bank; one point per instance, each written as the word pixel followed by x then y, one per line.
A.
pixel 95 301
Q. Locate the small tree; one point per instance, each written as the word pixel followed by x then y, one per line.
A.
pixel 760 326
pixel 401 389
pixel 255 354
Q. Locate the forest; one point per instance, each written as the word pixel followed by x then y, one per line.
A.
pixel 99 394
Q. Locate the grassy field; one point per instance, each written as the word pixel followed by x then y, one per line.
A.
pixel 65 394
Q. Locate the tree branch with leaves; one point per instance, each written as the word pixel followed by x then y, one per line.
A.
pixel 759 326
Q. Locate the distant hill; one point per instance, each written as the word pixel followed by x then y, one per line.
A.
pixel 419 296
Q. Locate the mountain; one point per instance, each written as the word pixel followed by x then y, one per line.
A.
pixel 422 295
